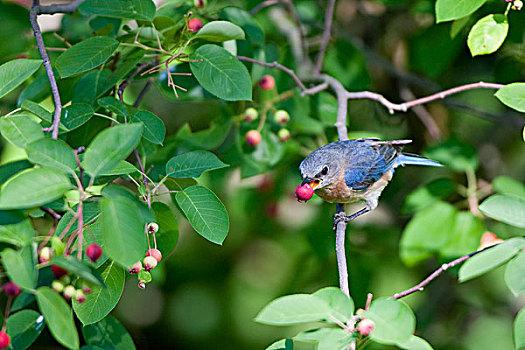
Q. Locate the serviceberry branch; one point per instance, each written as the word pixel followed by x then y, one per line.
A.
pixel 340 230
pixel 326 36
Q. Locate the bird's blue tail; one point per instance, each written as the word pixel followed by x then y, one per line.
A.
pixel 411 159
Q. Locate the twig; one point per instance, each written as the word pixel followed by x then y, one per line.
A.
pixel 315 89
pixel 287 70
pixel 297 21
pixel 326 36
pixel 420 286
pixel 421 112
pixel 124 85
pixel 55 217
pixel 59 8
pixel 144 179
pixel 262 5
pixel 340 252
pixel 342 106
pixel 6 312
pixel 142 92
pixel 33 14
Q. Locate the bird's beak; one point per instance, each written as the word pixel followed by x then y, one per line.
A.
pixel 313 183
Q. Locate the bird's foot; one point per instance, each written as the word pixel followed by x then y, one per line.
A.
pixel 339 217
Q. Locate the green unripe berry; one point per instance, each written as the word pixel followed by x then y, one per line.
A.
pixel 281 117
pixel 284 135
pixel 250 114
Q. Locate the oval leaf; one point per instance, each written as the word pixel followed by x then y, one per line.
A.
pixel 205 212
pixel 294 309
pixel 37 110
pixel 112 104
pixel 75 115
pixel 447 10
pixel 58 317
pixel 220 31
pixel 33 187
pixel 110 147
pixel 24 327
pixel 515 274
pixel 108 334
pixel 505 208
pixel 219 72
pixel 20 266
pixel 123 233
pixel 143 10
pixel 15 72
pixel 154 129
pixel 487 35
pixel 168 233
pixel 101 301
pixel 490 259
pixel 513 95
pixel 52 153
pixel 85 55
pixel 341 305
pixel 395 322
pixel 78 268
pixel 193 164
pixel 20 129
pixel 519 330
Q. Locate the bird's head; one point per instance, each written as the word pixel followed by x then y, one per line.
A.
pixel 320 168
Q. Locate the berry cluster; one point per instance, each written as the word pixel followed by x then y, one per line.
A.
pixel 153 257
pixel 516 4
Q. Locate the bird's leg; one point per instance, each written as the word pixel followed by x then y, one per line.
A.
pixel 340 216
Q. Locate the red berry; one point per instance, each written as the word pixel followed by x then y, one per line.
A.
pixel 267 82
pixel 12 289
pixel 58 271
pixel 94 252
pixel 5 340
pixel 304 192
pixel 253 138
pixel 366 326
pixel 150 263
pixel 136 268
pixel 80 297
pixel 194 25
pixel 199 3
pixel 155 253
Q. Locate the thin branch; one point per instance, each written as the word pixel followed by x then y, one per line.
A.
pixel 263 5
pixel 297 21
pixel 342 106
pixel 315 89
pixel 421 112
pixel 326 36
pixel 33 14
pixel 59 8
pixel 142 92
pixel 420 286
pixel 124 85
pixel 340 252
pixel 276 64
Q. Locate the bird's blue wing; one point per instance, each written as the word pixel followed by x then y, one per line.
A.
pixel 367 163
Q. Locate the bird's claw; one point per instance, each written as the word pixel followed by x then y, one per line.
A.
pixel 338 217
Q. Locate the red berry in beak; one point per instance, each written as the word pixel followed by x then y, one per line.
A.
pixel 304 192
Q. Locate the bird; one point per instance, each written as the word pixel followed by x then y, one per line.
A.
pixel 357 170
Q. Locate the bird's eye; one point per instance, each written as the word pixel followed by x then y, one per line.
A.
pixel 324 171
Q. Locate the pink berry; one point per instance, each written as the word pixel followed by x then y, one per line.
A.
pixel 12 289
pixel 58 271
pixel 136 268
pixel 366 326
pixel 45 255
pixel 304 192
pixel 199 3
pixel 253 138
pixel 5 340
pixel 194 25
pixel 94 252
pixel 267 82
pixel 153 227
pixel 80 297
pixel 155 253
pixel 150 263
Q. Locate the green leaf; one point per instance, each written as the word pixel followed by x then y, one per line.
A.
pixel 101 301
pixel 519 330
pixel 9 217
pixel 505 208
pixel 487 35
pixel 24 327
pixel 294 309
pixel 428 194
pixel 447 10
pixel 281 345
pixel 168 233
pixel 193 164
pixel 219 31
pixel 219 72
pixel 154 129
pixel 327 338
pixel 20 266
pixel 75 115
pixel 20 129
pixel 464 236
pixel 415 343
pixel 90 212
pixel 507 185
pixel 9 169
pixel 205 212
pixel 58 316
pixel 513 95
pixel 395 322
pixel 78 268
pixel 37 110
pixel 85 55
pixel 123 236
pixel 123 168
pixel 246 21
pixel 19 234
pixel 110 147
pixel 114 105
pixel 108 334
pixel 33 187
pixel 143 10
pixel 455 154
pixel 341 305
pixel 428 231
pixel 15 72
pixel 515 274
pixel 52 153
pixel 490 259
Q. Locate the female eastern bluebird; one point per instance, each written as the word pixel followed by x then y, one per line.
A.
pixel 355 170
